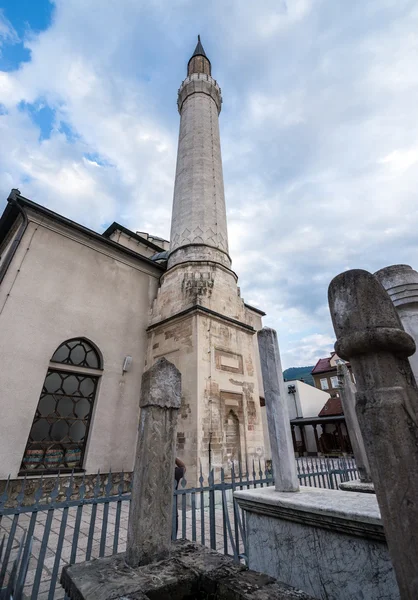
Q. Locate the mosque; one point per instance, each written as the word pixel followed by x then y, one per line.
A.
pixel 82 315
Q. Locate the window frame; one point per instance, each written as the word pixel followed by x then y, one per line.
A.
pixel 321 384
pixel 335 378
pixel 65 369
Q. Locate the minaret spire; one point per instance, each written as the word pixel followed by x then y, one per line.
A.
pixel 199 62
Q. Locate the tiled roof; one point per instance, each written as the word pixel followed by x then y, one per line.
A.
pixel 332 408
pixel 322 366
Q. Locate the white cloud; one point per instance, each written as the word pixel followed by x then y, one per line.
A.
pixel 7 31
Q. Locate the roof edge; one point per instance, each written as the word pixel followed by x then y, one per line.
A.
pixel 118 227
pixel 257 310
pixel 26 202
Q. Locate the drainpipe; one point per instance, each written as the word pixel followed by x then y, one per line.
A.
pixel 12 199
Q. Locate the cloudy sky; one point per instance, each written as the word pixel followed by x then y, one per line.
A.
pixel 319 132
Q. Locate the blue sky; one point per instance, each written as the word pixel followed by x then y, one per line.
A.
pixel 318 126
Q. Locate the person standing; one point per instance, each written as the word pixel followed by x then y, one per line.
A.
pixel 179 472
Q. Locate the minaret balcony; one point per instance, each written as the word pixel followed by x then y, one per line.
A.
pixel 199 83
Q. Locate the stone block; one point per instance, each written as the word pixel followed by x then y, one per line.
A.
pixel 191 572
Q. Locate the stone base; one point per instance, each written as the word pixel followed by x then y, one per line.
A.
pixel 328 543
pixel 192 572
pixel 357 486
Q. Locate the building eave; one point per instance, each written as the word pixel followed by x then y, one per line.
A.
pixel 317 420
pixel 117 227
pixel 6 222
pixel 256 310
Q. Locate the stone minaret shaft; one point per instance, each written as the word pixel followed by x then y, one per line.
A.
pixel 198 228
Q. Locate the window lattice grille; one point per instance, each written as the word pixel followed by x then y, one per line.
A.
pixel 59 431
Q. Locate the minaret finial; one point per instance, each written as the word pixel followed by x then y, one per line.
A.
pixel 201 65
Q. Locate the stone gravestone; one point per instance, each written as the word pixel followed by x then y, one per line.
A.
pixel 152 484
pixel 347 391
pixel 370 335
pixel 282 453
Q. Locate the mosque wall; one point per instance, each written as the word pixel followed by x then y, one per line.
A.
pixel 61 285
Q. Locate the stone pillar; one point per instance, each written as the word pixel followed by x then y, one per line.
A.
pixel 282 454
pixel 370 335
pixel 401 283
pixel 150 515
pixel 347 391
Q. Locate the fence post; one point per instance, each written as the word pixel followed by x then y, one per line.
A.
pixel 212 514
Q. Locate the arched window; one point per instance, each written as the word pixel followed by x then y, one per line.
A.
pixel 58 437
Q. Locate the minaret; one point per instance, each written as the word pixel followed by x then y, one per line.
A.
pixel 198 227
pixel 199 321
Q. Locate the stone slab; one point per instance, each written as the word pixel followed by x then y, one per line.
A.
pixel 348 512
pixel 192 571
pixel 328 543
pixel 357 486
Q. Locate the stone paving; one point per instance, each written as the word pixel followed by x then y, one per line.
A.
pixel 45 584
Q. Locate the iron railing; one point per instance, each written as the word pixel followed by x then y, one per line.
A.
pixel 76 527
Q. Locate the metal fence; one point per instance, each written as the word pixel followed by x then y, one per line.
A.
pixel 39 539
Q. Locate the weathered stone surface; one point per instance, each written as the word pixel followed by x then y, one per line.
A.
pixel 251 585
pixel 161 386
pixel 199 214
pixel 282 453
pixel 401 283
pixel 191 572
pixel 370 335
pixel 328 543
pixel 150 514
pixel 357 486
pixel 347 391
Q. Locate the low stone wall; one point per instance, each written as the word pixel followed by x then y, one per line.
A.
pixel 25 492
pixel 328 543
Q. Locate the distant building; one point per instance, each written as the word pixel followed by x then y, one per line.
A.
pixel 325 375
pixel 316 419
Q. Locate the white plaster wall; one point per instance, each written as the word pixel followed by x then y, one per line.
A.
pixel 69 286
pixel 311 399
pixel 306 402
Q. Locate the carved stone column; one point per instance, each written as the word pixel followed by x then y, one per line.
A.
pixel 347 391
pixel 370 335
pixel 401 283
pixel 150 515
pixel 282 454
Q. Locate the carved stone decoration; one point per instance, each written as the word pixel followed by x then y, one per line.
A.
pixel 150 515
pixel 370 335
pixel 401 283
pixel 282 453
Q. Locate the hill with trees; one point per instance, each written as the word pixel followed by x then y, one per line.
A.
pixel 299 373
